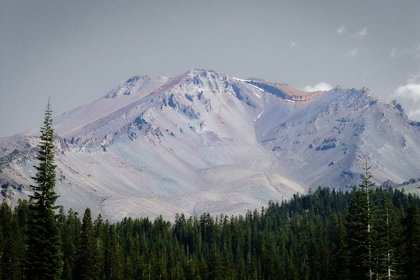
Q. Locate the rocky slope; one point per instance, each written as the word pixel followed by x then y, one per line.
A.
pixel 209 142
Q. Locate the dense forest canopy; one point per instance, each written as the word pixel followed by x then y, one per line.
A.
pixel 309 237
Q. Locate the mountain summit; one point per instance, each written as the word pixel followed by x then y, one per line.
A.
pixel 209 142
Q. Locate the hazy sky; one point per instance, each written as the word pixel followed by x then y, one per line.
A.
pixel 76 51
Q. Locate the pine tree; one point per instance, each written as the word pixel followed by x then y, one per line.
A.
pixel 44 254
pixel 360 230
pixel 10 253
pixel 100 229
pixel 411 243
pixel 215 263
pixel 113 263
pixel 385 243
pixel 69 231
pixel 339 266
pixel 87 262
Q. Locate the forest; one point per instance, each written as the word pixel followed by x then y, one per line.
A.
pixel 321 235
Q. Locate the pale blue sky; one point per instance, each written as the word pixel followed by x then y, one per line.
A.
pixel 76 51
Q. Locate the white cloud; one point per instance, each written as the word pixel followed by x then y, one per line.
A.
pixel 321 86
pixel 409 91
pixel 395 52
pixel 341 30
pixel 414 114
pixel 359 34
pixel 409 95
pixel 353 53
pixel 293 44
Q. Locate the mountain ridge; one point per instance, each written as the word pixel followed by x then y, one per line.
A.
pixel 210 142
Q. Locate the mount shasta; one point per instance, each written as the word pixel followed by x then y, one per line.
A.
pixel 209 142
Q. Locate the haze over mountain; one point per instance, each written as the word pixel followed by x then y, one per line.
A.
pixel 208 142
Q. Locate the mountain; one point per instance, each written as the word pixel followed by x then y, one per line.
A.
pixel 208 142
pixel 411 186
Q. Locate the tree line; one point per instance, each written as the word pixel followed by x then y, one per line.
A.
pixel 321 235
pixel 364 233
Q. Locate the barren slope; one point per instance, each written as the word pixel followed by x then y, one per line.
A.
pixel 208 142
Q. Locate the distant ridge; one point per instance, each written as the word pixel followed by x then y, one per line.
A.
pixel 209 142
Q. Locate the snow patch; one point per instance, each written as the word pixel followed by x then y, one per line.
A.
pixel 241 80
pixel 248 83
pixel 259 115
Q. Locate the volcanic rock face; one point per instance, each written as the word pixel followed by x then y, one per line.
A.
pixel 208 142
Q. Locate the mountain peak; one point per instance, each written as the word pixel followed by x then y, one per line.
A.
pixel 209 142
pixel 126 87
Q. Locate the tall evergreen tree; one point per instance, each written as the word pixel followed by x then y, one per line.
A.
pixel 10 254
pixel 339 266
pixel 360 230
pixel 44 254
pixel 87 263
pixel 411 243
pixel 385 242
pixel 69 232
pixel 100 229
pixel 114 266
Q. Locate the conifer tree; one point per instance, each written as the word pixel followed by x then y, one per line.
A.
pixel 215 263
pixel 339 266
pixel 44 254
pixel 113 263
pixel 385 243
pixel 360 230
pixel 87 262
pixel 10 237
pixel 70 229
pixel 411 243
pixel 100 229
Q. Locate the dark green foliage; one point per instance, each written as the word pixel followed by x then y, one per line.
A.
pixel 359 238
pixel 308 237
pixel 362 232
pixel 386 242
pixel 410 252
pixel 44 258
pixel 339 256
pixel 87 264
pixel 12 240
pixel 113 256
pixel 69 231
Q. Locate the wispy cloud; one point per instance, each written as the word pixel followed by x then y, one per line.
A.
pixel 417 52
pixel 341 30
pixel 410 91
pixel 396 52
pixel 359 34
pixel 411 51
pixel 414 78
pixel 321 86
pixel 352 53
pixel 293 44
